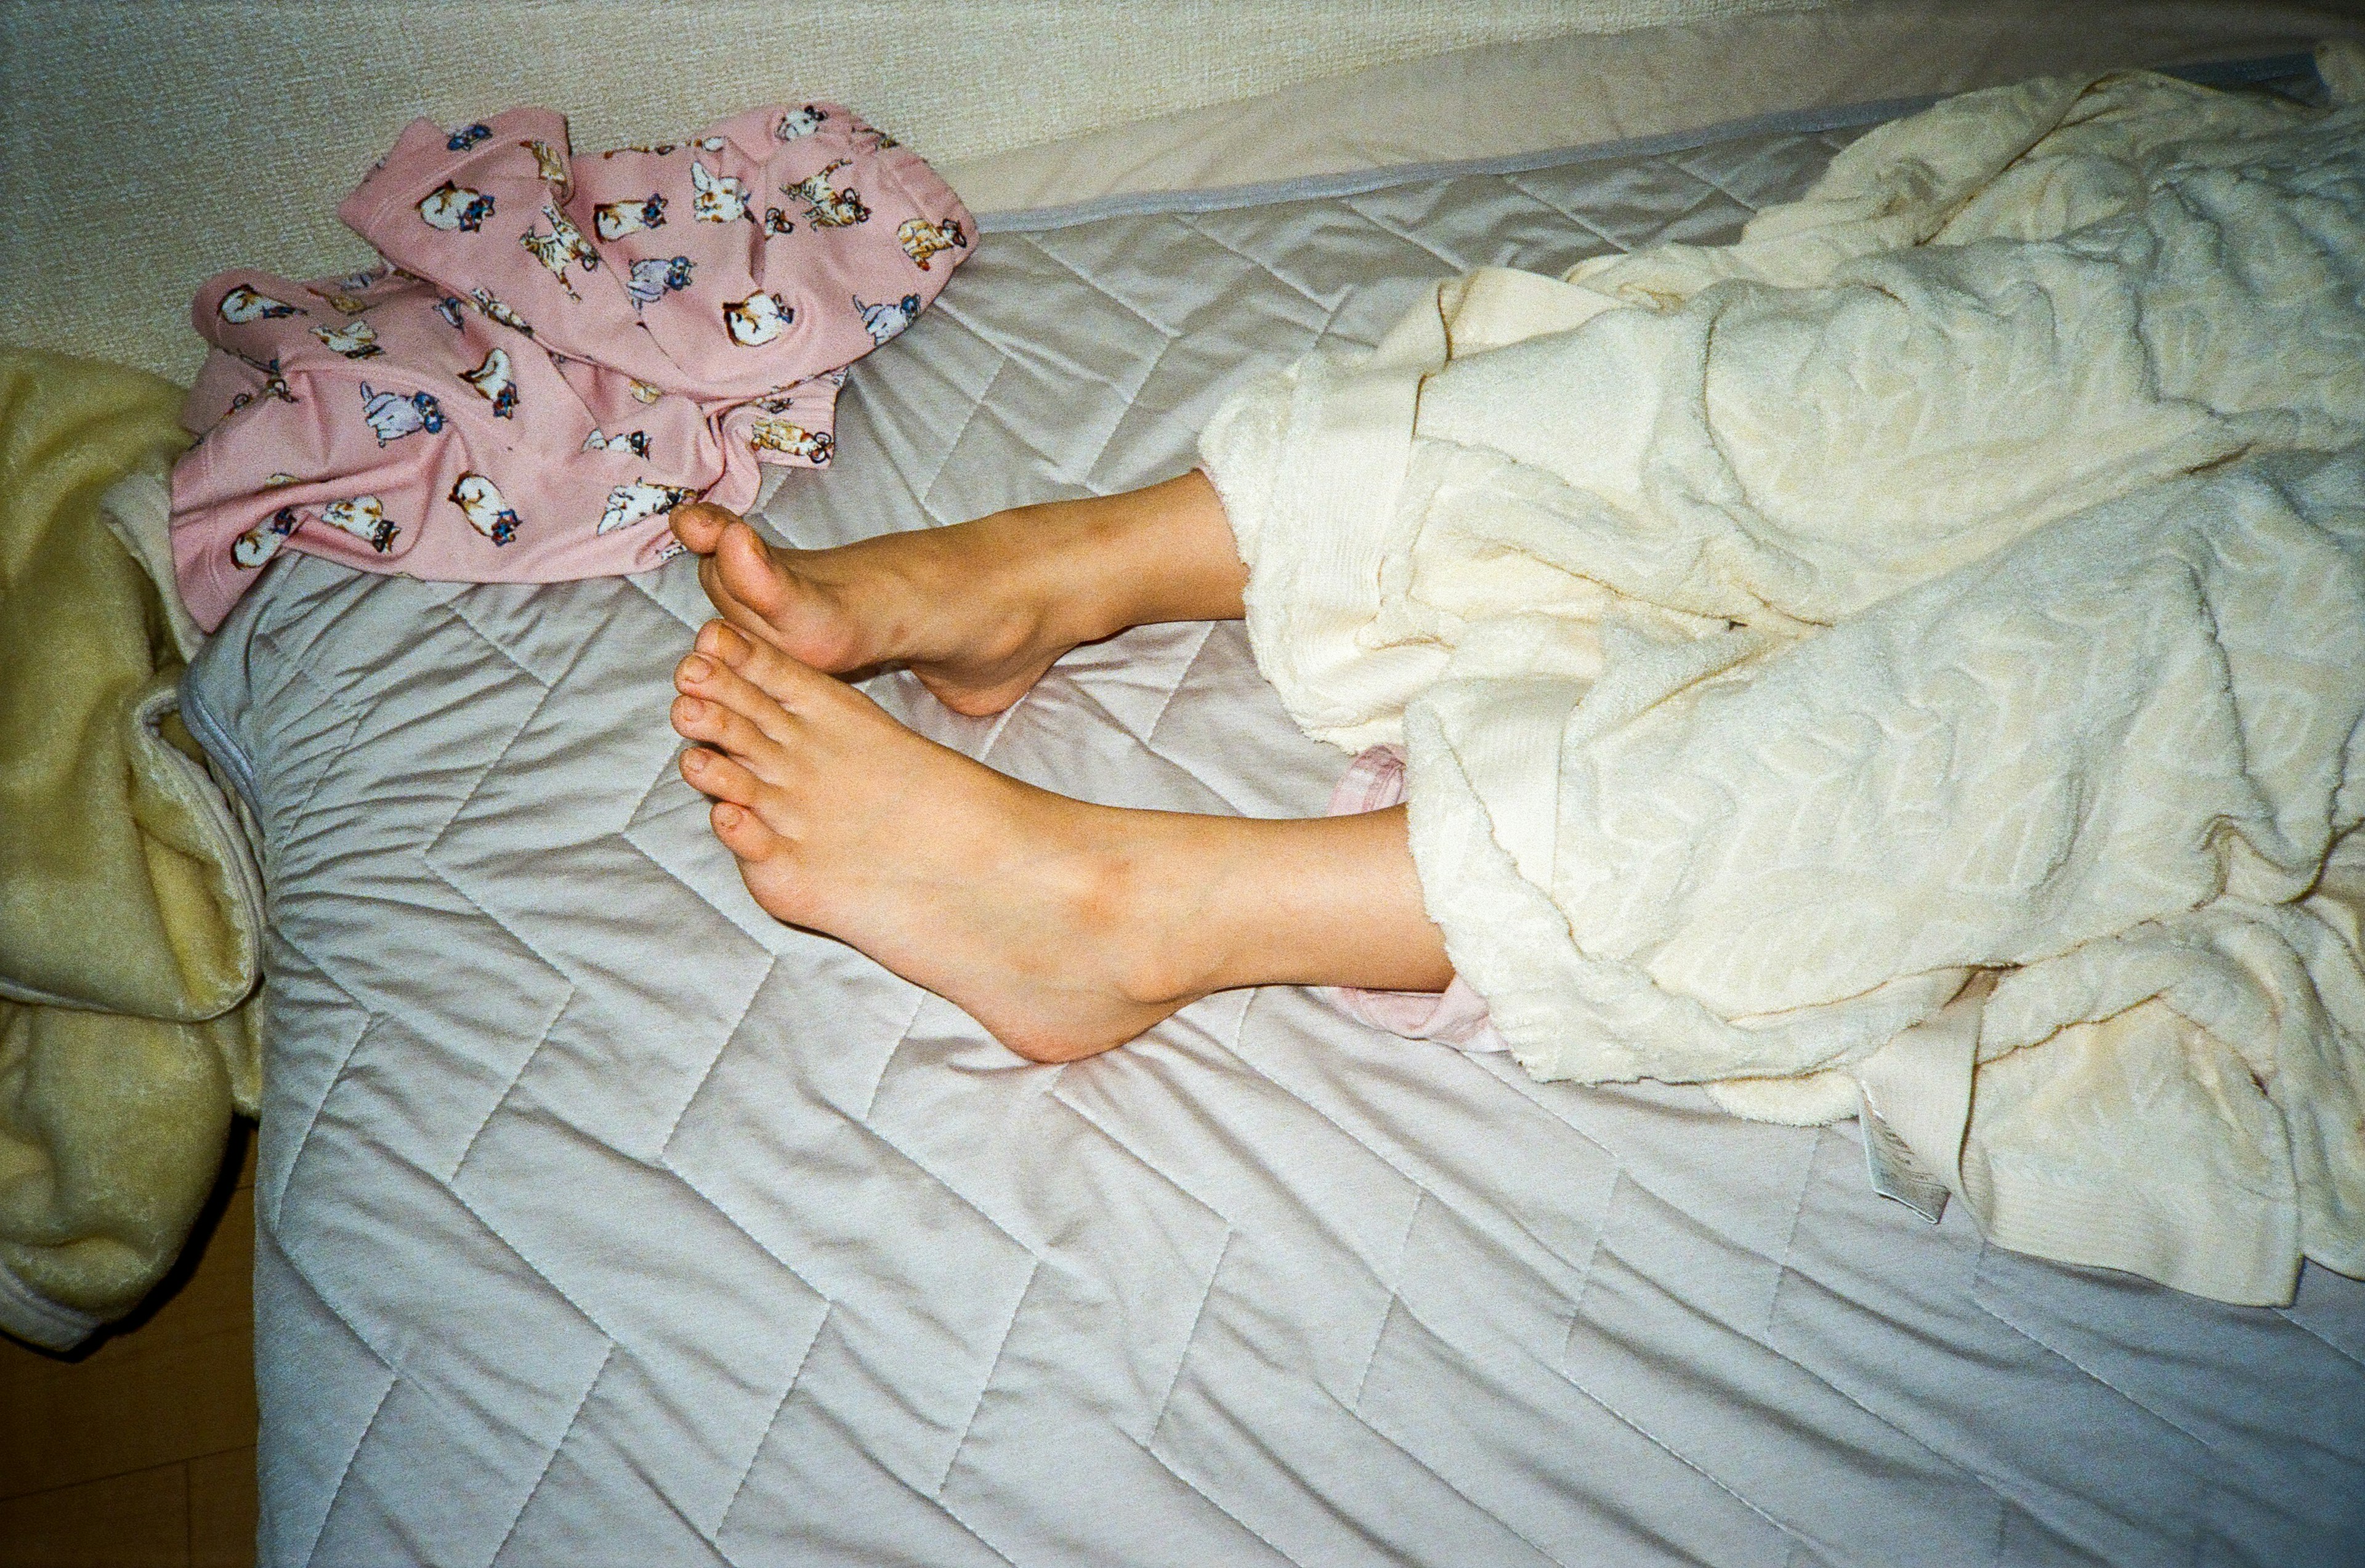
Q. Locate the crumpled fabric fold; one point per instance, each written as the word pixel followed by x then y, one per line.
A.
pixel 556 351
pixel 1950 596
pixel 131 912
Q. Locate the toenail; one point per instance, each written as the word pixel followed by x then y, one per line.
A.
pixel 689 707
pixel 694 759
pixel 696 668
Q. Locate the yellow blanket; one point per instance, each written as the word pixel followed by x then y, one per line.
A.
pixel 129 921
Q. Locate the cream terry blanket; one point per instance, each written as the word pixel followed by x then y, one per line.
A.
pixel 1909 662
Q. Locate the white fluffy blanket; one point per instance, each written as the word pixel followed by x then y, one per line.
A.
pixel 1911 660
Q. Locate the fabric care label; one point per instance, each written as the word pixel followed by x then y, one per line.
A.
pixel 1895 1173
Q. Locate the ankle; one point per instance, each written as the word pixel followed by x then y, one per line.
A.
pixel 1071 564
pixel 1166 889
pixel 1136 558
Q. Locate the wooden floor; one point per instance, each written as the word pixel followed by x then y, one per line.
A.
pixel 142 1450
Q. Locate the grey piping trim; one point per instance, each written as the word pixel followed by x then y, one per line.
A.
pixel 1795 122
pixel 202 793
pixel 35 1318
pixel 212 734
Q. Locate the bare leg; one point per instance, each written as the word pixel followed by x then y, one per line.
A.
pixel 1064 928
pixel 978 611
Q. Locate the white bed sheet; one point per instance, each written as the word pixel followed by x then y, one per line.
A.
pixel 604 1220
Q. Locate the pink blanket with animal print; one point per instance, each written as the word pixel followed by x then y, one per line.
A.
pixel 557 351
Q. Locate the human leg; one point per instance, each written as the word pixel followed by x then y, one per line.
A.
pixel 978 611
pixel 1065 928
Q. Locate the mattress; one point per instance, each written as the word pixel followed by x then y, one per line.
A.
pixel 604 1220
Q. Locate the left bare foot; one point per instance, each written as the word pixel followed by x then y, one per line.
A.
pixel 976 610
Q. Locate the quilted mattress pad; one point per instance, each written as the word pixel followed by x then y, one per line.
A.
pixel 605 1220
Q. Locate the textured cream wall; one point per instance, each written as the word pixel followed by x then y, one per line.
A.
pixel 150 144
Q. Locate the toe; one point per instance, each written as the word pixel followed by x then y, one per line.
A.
pixel 727 604
pixel 744 833
pixel 724 642
pixel 712 773
pixel 744 565
pixel 766 669
pixel 700 524
pixel 725 677
pixel 722 725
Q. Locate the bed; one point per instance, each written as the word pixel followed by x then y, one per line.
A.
pixel 603 1219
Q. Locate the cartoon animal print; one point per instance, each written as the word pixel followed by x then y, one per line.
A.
pixel 549 164
pixel 278 480
pixel 757 320
pixel 873 138
pixel 653 275
pixel 721 199
pixel 779 435
pixel 553 253
pixel 482 506
pixel 455 208
pixel 364 280
pixel 564 227
pixel 775 223
pixel 346 293
pixel 355 339
pixel 262 541
pixel 392 416
pixel 800 122
pixel 614 220
pixel 883 321
pixel 274 386
pixel 564 243
pixel 922 238
pixel 242 305
pixel 826 207
pixel 449 308
pixel 647 393
pixel 628 504
pixel 660 149
pixel 634 441
pixel 496 311
pixel 468 136
pixel 491 380
pixel 365 517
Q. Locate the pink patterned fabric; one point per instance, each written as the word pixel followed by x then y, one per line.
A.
pixel 557 352
pixel 1455 1016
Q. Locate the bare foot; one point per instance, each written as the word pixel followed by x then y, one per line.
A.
pixel 977 611
pixel 935 601
pixel 1021 906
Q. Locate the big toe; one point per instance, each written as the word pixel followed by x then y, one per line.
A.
pixel 699 525
pixel 786 681
pixel 749 572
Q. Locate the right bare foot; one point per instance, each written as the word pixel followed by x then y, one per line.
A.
pixel 1023 907
pixel 977 611
pixel 1065 928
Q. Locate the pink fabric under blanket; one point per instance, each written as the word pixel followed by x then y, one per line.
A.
pixel 1455 1016
pixel 557 352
